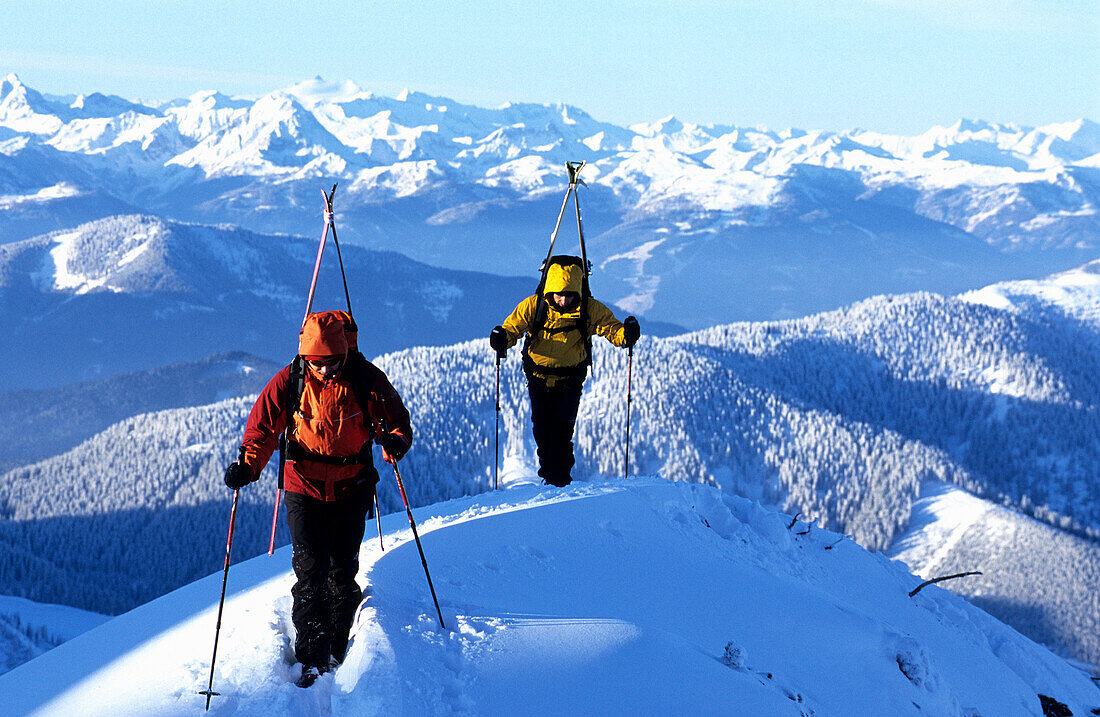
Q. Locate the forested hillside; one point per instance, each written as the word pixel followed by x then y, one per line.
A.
pixel 35 424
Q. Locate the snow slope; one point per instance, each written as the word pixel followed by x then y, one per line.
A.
pixel 28 629
pixel 623 597
pixel 954 532
pixel 1075 292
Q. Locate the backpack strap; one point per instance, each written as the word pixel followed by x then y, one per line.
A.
pixel 297 452
pixel 292 399
pixel 571 326
pixel 356 368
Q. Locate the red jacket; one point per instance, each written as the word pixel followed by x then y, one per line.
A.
pixel 329 421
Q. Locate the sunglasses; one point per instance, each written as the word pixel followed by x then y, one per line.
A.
pixel 325 361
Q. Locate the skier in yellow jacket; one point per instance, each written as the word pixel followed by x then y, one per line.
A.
pixel 559 325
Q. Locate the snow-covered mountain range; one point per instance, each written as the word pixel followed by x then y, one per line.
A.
pixel 794 221
pixel 608 598
pixel 849 418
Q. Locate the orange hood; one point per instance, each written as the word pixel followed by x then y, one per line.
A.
pixel 351 330
pixel 323 335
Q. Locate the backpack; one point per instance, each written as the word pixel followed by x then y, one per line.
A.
pixel 538 325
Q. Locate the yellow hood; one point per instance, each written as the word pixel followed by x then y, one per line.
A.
pixel 561 279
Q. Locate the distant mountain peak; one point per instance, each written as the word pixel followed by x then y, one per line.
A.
pixel 99 105
pixel 318 90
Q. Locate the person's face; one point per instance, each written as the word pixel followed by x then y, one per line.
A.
pixel 564 301
pixel 327 366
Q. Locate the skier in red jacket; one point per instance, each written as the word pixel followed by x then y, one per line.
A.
pixel 345 404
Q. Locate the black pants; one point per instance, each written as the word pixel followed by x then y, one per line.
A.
pixel 553 418
pixel 326 539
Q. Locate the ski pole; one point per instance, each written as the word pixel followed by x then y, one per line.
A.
pixel 496 441
pixel 275 520
pixel 629 367
pixel 278 491
pixel 378 519
pixel 423 560
pixel 209 691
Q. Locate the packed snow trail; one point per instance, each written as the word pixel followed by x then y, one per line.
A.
pixel 619 597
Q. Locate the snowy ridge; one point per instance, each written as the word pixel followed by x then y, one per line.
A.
pixel 553 606
pixel 137 292
pixel 1075 292
pixel 847 214
pixel 1050 596
pixel 29 629
pixel 341 128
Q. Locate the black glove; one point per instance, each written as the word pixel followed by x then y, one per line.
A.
pixel 394 445
pixel 498 339
pixel 631 331
pixel 237 476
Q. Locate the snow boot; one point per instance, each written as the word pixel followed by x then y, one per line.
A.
pixel 310 675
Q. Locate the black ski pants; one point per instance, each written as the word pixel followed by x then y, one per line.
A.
pixel 326 537
pixel 553 418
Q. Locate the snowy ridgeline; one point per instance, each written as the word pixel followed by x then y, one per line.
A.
pixel 841 417
pixel 639 597
pixel 798 221
pixel 1038 579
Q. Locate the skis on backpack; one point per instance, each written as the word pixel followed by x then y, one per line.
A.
pixel 540 318
pixel 330 227
pixel 574 169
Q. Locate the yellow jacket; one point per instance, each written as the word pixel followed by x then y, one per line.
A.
pixel 560 344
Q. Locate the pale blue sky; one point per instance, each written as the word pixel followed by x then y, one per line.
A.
pixel 889 65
